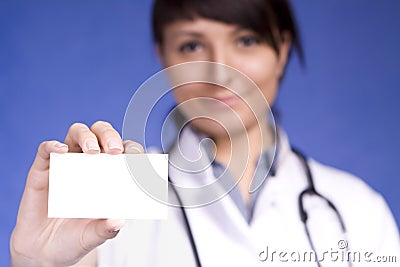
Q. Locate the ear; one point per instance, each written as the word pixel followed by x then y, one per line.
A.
pixel 284 49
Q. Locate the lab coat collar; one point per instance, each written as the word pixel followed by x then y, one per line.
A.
pixel 190 166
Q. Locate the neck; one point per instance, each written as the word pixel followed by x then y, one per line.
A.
pixel 240 152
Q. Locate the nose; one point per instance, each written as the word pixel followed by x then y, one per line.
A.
pixel 220 71
pixel 219 54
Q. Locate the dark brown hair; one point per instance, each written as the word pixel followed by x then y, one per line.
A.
pixel 268 18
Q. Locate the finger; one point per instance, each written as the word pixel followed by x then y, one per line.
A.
pixel 108 137
pixel 98 231
pixel 38 174
pixel 80 138
pixel 33 207
pixel 131 147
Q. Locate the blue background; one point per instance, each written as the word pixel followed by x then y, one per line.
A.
pixel 68 61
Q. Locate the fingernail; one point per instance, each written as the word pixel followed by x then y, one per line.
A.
pixel 114 231
pixel 114 144
pixel 61 145
pixel 92 145
pixel 133 149
pixel 117 224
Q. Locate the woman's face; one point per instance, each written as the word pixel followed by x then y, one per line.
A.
pixel 208 40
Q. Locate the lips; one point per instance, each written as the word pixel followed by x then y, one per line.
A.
pixel 229 100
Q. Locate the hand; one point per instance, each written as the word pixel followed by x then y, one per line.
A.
pixel 41 241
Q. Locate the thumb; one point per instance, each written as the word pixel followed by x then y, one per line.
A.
pixel 98 231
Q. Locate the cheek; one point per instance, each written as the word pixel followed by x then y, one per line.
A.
pixel 187 92
pixel 264 72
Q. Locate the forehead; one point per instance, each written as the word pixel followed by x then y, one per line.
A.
pixel 199 27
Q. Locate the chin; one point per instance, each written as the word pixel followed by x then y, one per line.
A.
pixel 220 129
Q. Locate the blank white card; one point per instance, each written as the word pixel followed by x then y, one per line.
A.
pixel 126 186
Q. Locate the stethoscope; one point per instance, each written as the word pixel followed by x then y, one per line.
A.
pixel 309 191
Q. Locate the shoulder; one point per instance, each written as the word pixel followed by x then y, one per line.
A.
pixel 340 183
pixel 366 215
pixel 347 190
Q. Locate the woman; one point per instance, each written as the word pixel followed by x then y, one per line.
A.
pixel 243 228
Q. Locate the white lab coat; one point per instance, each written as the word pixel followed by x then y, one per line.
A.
pixel 224 238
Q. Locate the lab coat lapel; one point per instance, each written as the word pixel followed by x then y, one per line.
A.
pixel 219 229
pixel 275 219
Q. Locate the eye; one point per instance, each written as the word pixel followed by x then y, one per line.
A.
pixel 190 47
pixel 248 40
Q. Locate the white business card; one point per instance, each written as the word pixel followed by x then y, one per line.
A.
pixel 125 186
